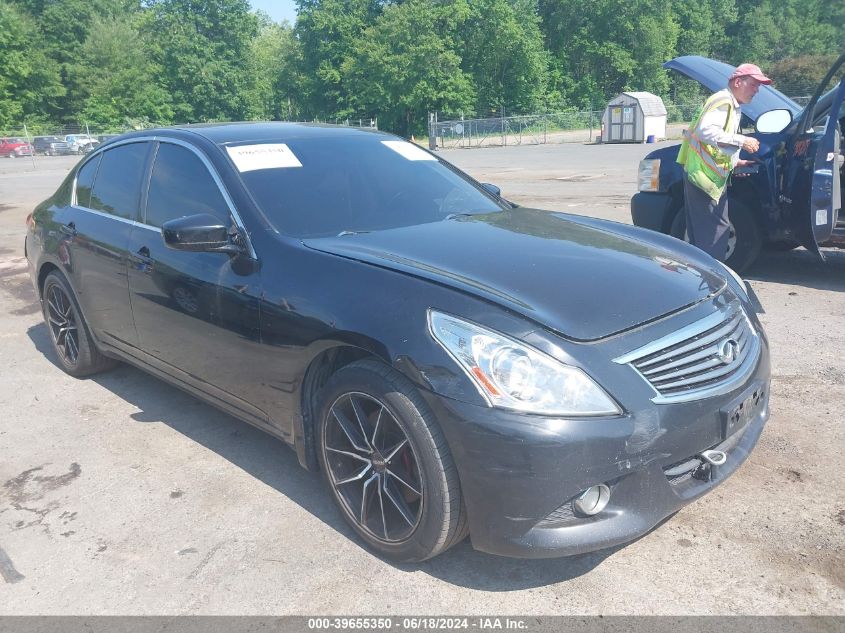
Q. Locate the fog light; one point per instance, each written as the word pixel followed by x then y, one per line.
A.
pixel 593 500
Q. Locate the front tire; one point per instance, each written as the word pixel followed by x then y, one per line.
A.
pixel 782 246
pixel 78 355
pixel 387 464
pixel 745 238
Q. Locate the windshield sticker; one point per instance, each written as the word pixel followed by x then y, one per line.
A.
pixel 821 217
pixel 408 150
pixel 264 156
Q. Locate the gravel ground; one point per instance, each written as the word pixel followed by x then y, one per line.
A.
pixel 122 495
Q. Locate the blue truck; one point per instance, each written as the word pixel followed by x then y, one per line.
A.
pixel 793 197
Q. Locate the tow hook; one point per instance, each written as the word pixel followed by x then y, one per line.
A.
pixel 714 458
pixel 710 459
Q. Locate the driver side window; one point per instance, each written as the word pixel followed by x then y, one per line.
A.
pixel 181 185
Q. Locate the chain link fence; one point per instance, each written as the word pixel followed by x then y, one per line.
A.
pixel 534 129
pixel 538 129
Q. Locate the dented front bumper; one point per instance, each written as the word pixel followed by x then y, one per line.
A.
pixel 520 473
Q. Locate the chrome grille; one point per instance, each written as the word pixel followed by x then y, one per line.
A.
pixel 703 359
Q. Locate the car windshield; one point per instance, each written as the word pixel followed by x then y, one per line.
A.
pixel 338 185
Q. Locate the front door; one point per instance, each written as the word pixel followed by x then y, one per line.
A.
pixel 812 190
pixel 196 313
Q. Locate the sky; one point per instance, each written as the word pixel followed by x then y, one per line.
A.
pixel 277 9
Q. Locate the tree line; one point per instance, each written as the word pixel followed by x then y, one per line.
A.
pixel 119 63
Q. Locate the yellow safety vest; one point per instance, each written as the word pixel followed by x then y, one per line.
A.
pixel 706 166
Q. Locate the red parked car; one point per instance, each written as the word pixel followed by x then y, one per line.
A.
pixel 15 147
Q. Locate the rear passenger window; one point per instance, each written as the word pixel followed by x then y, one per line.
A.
pixel 84 180
pixel 118 184
pixel 182 185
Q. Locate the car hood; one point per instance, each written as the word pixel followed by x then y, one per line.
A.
pixel 714 75
pixel 582 277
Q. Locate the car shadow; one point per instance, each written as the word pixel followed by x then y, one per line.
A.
pixel 801 268
pixel 275 464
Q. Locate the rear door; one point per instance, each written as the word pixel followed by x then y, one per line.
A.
pixel 812 185
pixel 95 235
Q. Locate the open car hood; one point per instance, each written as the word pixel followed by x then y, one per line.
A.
pixel 714 75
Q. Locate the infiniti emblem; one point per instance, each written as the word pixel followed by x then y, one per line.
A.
pixel 728 351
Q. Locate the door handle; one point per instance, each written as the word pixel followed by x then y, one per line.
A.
pixel 68 229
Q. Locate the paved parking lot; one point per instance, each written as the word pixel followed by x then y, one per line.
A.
pixel 122 495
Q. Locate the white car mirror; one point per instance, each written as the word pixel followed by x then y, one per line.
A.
pixel 774 121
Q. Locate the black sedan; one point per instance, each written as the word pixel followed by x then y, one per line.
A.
pixel 453 364
pixel 50 146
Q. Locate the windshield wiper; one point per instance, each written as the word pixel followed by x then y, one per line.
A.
pixel 345 233
pixel 452 216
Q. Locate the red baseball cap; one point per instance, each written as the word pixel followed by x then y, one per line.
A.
pixel 750 70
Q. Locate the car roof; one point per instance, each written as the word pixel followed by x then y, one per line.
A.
pixel 259 132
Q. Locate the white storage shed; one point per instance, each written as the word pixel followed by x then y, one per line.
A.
pixel 634 117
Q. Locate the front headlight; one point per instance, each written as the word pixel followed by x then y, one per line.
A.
pixel 740 286
pixel 649 174
pixel 512 375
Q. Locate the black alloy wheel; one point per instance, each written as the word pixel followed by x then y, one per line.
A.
pixel 61 318
pixel 373 467
pixel 78 355
pixel 387 464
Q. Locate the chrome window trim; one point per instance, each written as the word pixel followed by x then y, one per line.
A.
pixel 708 322
pixel 88 159
pixel 148 227
pixel 103 214
pixel 73 200
pixel 145 187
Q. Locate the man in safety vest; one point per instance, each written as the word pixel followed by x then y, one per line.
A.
pixel 709 154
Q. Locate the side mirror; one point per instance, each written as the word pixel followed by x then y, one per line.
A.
pixel 774 121
pixel 199 233
pixel 492 189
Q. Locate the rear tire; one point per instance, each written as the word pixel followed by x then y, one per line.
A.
pixel 77 353
pixel 387 464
